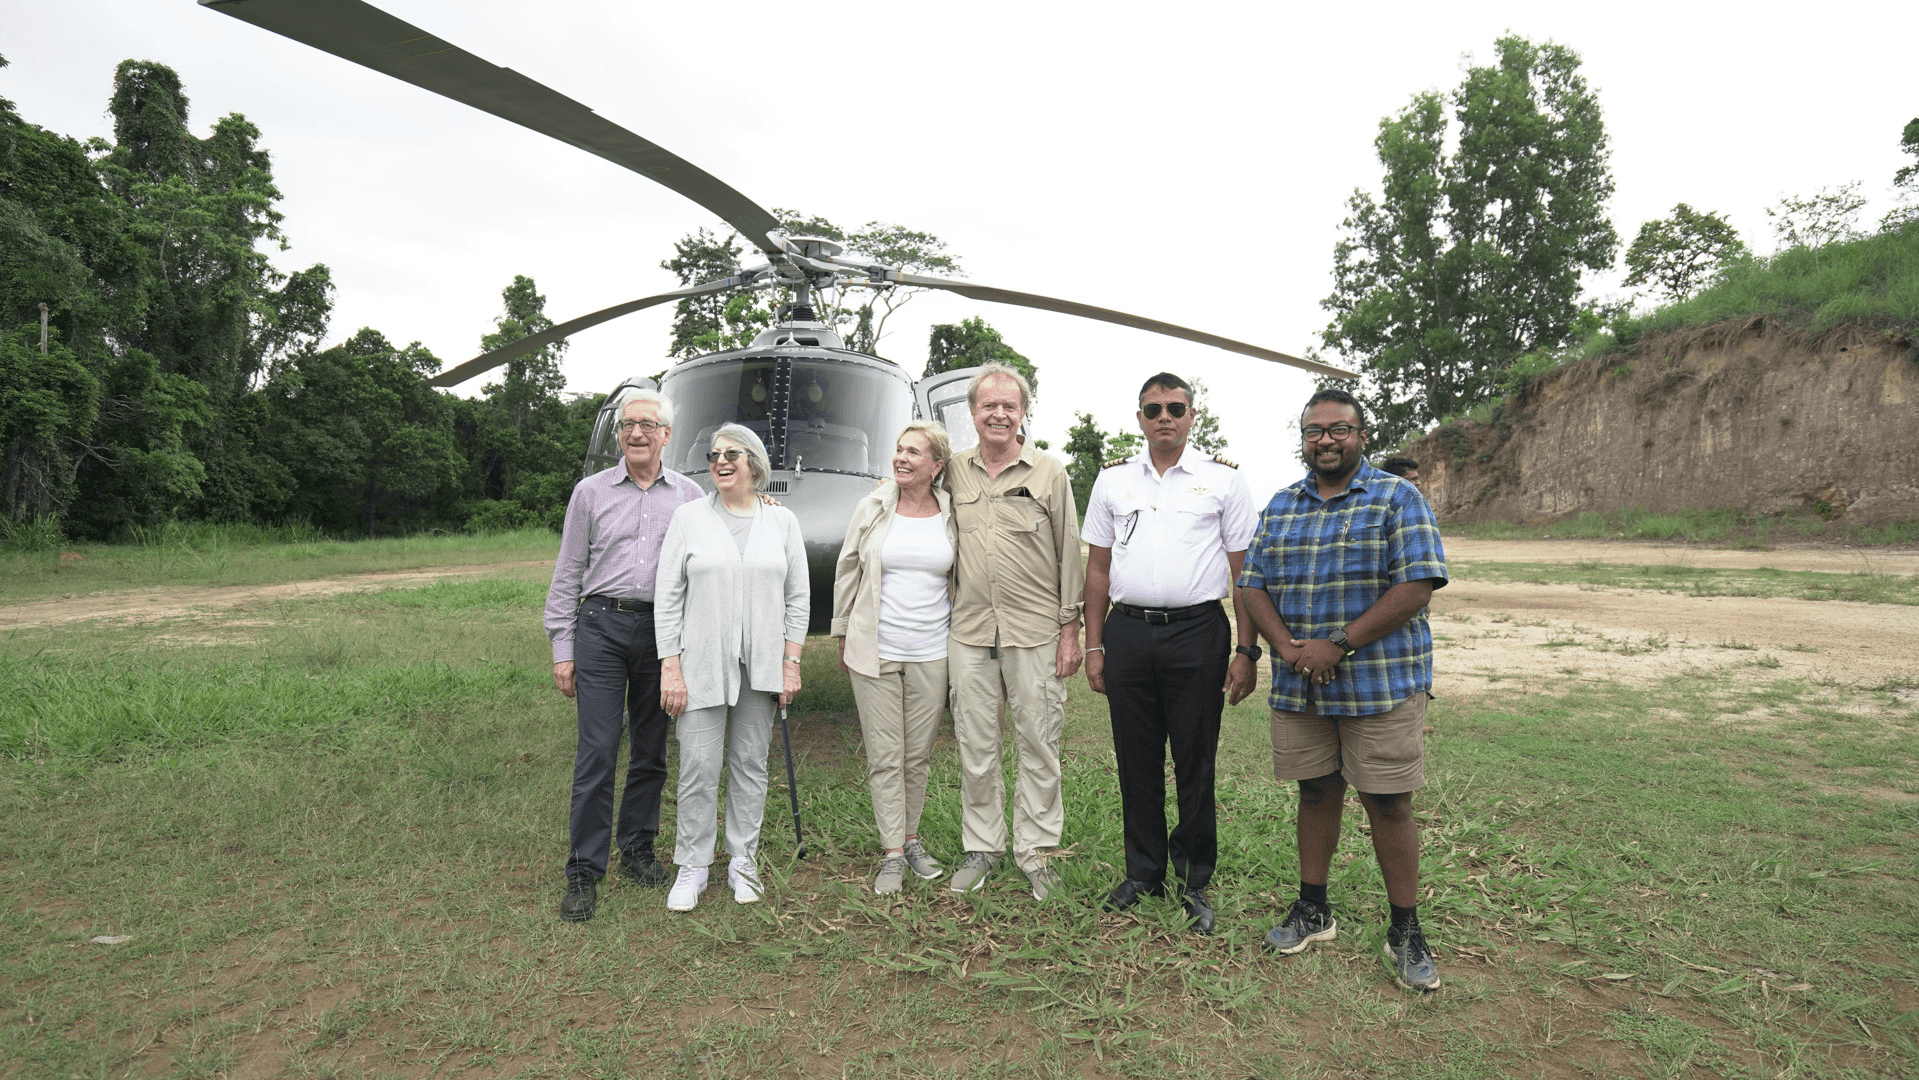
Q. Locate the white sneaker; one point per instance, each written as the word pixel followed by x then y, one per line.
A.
pixel 744 876
pixel 685 894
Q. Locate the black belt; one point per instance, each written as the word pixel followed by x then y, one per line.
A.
pixel 618 604
pixel 1162 616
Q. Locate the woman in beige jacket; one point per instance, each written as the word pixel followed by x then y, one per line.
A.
pixel 892 603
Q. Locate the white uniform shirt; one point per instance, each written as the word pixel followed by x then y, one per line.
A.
pixel 1170 534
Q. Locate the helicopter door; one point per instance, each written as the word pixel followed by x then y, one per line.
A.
pixel 942 397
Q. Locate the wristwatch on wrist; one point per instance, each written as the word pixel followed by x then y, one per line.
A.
pixel 1250 652
pixel 792 659
pixel 1338 637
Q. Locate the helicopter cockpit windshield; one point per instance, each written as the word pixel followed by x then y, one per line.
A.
pixel 813 414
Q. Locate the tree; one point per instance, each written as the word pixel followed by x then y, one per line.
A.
pixel 1905 182
pixel 971 344
pixel 364 437
pixel 704 324
pixel 1465 261
pixel 1086 454
pixel 1680 254
pixel 1812 222
pixel 1204 434
pixel 522 440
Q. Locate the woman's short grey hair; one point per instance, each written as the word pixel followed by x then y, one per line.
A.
pixel 987 371
pixel 743 437
pixel 936 440
pixel 639 393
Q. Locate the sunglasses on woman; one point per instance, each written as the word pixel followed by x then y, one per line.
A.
pixel 713 456
pixel 1175 409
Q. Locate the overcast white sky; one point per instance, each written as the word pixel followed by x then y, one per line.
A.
pixel 1188 165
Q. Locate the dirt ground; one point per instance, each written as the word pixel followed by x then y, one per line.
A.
pixel 1485 632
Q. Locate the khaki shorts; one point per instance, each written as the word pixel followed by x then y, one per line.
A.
pixel 1381 754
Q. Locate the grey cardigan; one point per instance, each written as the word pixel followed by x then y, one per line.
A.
pixel 707 590
pixel 856 577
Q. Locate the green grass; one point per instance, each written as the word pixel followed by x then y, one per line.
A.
pixel 213 556
pixel 1862 586
pixel 358 877
pixel 1723 528
pixel 1873 280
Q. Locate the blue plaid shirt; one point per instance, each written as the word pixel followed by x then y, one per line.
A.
pixel 1324 562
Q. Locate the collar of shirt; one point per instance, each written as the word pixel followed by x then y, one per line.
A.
pixel 1308 488
pixel 667 476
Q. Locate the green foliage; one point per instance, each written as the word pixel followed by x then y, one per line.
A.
pixel 704 324
pixel 1204 434
pixel 971 344
pixel 48 406
pixel 1680 254
pixel 1812 222
pixel 1086 452
pixel 1464 261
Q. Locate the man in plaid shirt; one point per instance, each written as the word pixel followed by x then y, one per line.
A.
pixel 1337 579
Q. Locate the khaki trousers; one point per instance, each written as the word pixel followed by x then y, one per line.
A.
pixel 899 715
pixel 1023 679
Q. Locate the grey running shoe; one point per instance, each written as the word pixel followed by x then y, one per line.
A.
pixel 1306 923
pixel 892 875
pixel 1412 963
pixel 973 871
pixel 1044 881
pixel 923 865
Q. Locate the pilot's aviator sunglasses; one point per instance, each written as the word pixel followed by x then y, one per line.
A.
pixel 1176 409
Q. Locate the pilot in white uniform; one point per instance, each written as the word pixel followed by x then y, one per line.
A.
pixel 1166 531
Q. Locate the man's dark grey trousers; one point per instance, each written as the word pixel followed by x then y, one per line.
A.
pixel 616 670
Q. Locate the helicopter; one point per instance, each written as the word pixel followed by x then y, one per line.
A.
pixel 827 414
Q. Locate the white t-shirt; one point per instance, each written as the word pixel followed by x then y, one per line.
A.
pixel 914 609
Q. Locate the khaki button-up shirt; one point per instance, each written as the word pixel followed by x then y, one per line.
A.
pixel 1020 576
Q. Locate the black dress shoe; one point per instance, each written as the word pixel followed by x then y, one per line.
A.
pixel 1200 909
pixel 1129 893
pixel 642 868
pixel 582 895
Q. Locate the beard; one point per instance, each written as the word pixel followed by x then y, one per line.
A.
pixel 1348 460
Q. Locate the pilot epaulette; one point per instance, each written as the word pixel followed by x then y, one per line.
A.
pixel 1117 461
pixel 1226 461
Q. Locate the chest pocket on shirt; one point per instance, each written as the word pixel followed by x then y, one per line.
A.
pixel 969 511
pixel 1020 513
pixel 1363 542
pixel 1197 517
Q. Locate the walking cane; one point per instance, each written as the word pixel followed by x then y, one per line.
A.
pixel 792 785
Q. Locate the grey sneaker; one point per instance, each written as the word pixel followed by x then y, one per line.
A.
pixel 1044 881
pixel 1306 923
pixel 920 863
pixel 1412 963
pixel 892 875
pixel 973 871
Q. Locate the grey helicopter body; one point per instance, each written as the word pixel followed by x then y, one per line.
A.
pixel 827 414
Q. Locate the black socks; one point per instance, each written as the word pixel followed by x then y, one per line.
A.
pixel 1405 921
pixel 1313 894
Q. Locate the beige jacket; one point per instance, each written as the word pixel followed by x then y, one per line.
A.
pixel 856 577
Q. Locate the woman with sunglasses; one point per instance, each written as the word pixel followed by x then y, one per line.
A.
pixel 892 606
pixel 730 607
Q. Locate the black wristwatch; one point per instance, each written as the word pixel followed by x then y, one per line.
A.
pixel 1338 637
pixel 1250 652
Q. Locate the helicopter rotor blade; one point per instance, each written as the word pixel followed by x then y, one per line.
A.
pixel 488 361
pixel 357 31
pixel 1088 311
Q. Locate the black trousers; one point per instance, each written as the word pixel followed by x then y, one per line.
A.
pixel 1164 686
pixel 616 671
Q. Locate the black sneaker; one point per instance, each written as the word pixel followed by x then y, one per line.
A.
pixel 582 896
pixel 1412 962
pixel 1306 923
pixel 642 868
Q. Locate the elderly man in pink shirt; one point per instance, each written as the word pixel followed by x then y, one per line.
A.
pixel 599 615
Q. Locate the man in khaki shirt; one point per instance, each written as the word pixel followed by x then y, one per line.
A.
pixel 1015 635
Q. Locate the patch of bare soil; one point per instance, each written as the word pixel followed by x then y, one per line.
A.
pixel 149 605
pixel 1831 560
pixel 1487 631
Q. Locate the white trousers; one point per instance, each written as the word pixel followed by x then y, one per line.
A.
pixel 739 734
